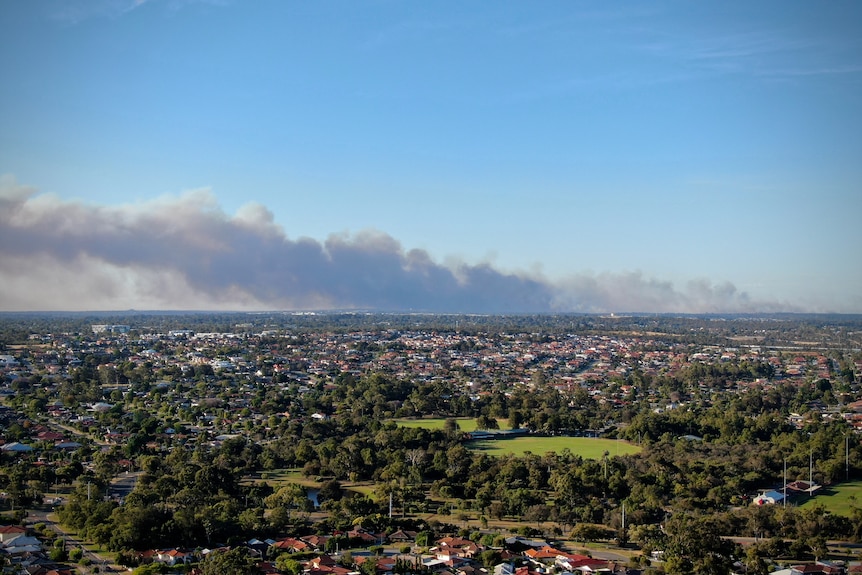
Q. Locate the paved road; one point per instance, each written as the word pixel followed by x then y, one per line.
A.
pixel 76 432
pixel 830 543
pixel 606 555
pixel 124 483
pixel 120 487
pixel 44 516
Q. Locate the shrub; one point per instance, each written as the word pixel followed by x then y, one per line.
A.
pixel 58 555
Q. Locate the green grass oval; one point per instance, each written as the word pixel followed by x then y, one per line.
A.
pixel 586 447
pixel 838 498
pixel 465 424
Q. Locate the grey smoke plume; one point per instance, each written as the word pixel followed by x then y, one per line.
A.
pixel 186 253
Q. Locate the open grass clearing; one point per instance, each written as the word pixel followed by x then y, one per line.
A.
pixel 465 424
pixel 280 477
pixel 586 447
pixel 365 488
pixel 837 498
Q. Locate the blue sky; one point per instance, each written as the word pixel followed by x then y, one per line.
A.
pixel 665 156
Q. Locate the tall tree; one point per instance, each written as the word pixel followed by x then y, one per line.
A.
pixel 236 561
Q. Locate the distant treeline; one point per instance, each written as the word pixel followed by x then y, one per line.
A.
pixel 841 331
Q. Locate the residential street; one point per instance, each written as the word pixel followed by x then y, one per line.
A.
pixel 43 515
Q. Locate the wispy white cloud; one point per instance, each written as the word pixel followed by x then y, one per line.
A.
pixel 849 69
pixel 758 53
pixel 72 12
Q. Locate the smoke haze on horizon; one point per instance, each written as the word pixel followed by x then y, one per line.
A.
pixel 186 252
pixel 559 156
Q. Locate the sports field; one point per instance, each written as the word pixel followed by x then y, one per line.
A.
pixel 837 498
pixel 586 447
pixel 465 424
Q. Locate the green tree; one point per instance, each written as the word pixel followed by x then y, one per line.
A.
pixel 515 419
pixel 490 558
pixel 330 491
pixel 58 554
pixel 76 554
pixel 236 561
pixel 588 532
pixel 694 546
pixel 287 564
pixel 450 427
pixel 538 513
pixel 424 538
pixel 485 422
pixel 754 563
pixel 148 569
